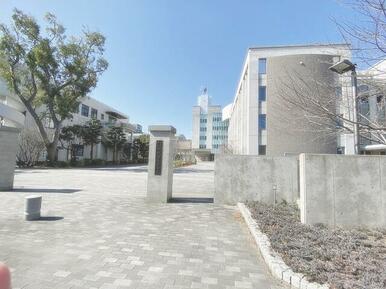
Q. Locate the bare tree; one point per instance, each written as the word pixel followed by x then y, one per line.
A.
pixel 368 34
pixel 328 106
pixel 31 147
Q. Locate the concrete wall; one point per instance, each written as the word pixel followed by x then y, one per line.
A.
pixel 240 178
pixel 8 148
pixel 340 190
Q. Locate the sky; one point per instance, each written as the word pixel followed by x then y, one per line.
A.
pixel 162 52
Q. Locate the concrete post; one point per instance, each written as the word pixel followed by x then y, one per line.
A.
pixel 160 168
pixel 8 150
pixel 33 205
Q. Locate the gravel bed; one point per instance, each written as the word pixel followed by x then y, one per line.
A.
pixel 345 259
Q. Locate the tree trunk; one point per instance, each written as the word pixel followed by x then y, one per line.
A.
pixel 51 152
pixel 91 151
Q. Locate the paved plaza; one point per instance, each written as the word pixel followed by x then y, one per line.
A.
pixel 97 231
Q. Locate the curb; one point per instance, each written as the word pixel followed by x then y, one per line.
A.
pixel 274 262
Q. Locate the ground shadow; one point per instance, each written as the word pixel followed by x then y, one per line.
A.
pixel 188 171
pixel 48 219
pixel 191 200
pixel 53 191
pixel 29 171
pixel 128 169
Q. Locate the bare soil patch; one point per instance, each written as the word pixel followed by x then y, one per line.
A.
pixel 345 259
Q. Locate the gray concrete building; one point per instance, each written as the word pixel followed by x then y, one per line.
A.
pixel 261 121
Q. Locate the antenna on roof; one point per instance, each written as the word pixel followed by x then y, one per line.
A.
pixel 204 90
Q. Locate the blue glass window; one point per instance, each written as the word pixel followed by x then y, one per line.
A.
pixel 262 121
pixel 85 110
pixel 94 113
pixel 262 65
pixel 262 93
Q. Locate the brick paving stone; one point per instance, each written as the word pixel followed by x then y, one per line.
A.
pixel 98 231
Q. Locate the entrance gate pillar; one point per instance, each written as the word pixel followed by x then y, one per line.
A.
pixel 11 122
pixel 8 149
pixel 162 148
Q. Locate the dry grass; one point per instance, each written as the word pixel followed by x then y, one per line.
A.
pixel 345 259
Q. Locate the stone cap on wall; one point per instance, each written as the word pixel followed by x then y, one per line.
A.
pixel 10 129
pixel 162 128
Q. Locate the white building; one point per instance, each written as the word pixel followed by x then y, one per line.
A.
pixel 12 105
pixel 371 94
pixel 88 108
pixel 259 120
pixel 91 108
pixel 209 130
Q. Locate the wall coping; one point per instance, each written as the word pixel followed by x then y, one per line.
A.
pixel 10 129
pixel 162 128
pixel 341 156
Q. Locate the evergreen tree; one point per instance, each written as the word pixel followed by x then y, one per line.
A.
pixel 91 134
pixel 48 70
pixel 115 138
pixel 69 137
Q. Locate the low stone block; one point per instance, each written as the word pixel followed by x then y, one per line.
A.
pixel 33 206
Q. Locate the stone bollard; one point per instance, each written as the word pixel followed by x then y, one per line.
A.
pixel 33 205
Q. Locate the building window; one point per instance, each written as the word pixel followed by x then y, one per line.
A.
pixel 363 88
pixel 364 106
pixel 262 65
pixel 262 93
pixel 340 150
pixel 102 116
pixel 85 110
pixel 262 149
pixel 78 150
pixel 339 121
pixel 94 113
pixel 262 121
pixel 338 92
pixel 202 146
pixel 112 119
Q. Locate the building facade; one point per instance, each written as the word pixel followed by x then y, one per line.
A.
pixel 372 110
pixel 89 108
pixel 210 132
pixel 138 128
pixel 261 122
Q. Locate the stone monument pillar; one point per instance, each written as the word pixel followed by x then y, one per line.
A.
pixel 160 168
pixel 8 149
pixel 11 122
